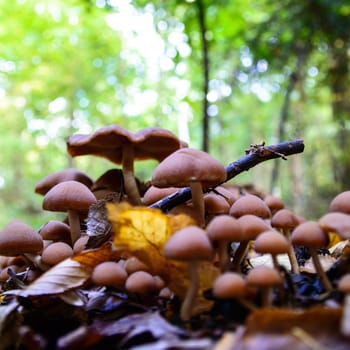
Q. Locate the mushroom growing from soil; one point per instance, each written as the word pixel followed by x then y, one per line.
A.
pixel 273 243
pixel 124 147
pixel 190 244
pixel 285 221
pixel 265 279
pixel 56 252
pixel 72 197
pixel 109 273
pixel 193 168
pixel 311 235
pixel 224 229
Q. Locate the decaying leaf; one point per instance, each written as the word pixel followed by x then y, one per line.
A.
pixel 143 231
pixel 68 274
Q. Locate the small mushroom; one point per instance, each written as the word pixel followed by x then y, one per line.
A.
pixel 109 273
pixel 224 229
pixel 273 243
pixel 250 204
pixel 55 230
pixel 336 222
pixel 341 203
pixel 285 221
pixel 265 279
pixel 189 244
pixel 193 168
pixel 55 253
pixel 71 197
pixel 311 235
pixel 274 203
pixel 140 282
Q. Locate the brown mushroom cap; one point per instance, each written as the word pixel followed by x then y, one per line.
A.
pixel 109 273
pixel 68 195
pixel 271 242
pixel 189 243
pixel 19 238
pixel 154 194
pixel 284 219
pixel 229 285
pixel 215 204
pixel 252 226
pixel 310 234
pixel 274 203
pixel 224 227
pixel 188 165
pixel 149 143
pixel 341 203
pixel 250 204
pixel 55 230
pixel 45 184
pixel 263 276
pixel 56 252
pixel 140 282
pixel 336 222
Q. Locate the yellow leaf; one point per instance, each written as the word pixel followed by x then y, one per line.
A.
pixel 143 231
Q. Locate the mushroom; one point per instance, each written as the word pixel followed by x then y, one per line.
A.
pixel 55 230
pixel 285 221
pixel 250 204
pixel 56 252
pixel 251 226
pixel 71 197
pixel 274 203
pixel 109 273
pixel 273 243
pixel 264 278
pixel 154 194
pixel 224 229
pixel 336 222
pixel 193 168
pixel 140 282
pixel 189 244
pixel 311 235
pixel 341 203
pixel 214 205
pixel 344 287
pixel 124 147
pixel 231 285
pixel 45 184
pixel 18 238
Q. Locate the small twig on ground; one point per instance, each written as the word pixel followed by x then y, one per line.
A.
pixel 254 155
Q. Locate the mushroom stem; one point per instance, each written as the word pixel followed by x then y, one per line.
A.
pixel 239 255
pixel 130 185
pixel 318 267
pixel 291 253
pixel 74 225
pixel 187 303
pixel 198 201
pixel 223 255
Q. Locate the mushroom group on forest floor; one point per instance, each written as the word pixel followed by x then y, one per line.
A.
pixel 228 229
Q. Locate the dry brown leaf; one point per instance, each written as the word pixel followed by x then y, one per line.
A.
pixel 143 231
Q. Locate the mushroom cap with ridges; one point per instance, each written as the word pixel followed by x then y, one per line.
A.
pixel 189 243
pixel 19 238
pixel 250 204
pixel 149 143
pixel 263 276
pixel 271 242
pixel 229 285
pixel 188 165
pixel 309 234
pixel 68 195
pixel 224 228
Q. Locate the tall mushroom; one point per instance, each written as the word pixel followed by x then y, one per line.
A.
pixel 193 168
pixel 311 235
pixel 123 147
pixel 71 197
pixel 189 244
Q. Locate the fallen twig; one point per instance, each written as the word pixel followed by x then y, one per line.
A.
pixel 254 155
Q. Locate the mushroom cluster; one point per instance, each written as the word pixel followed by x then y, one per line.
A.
pixel 233 230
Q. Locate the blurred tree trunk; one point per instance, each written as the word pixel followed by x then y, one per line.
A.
pixel 205 64
pixel 339 82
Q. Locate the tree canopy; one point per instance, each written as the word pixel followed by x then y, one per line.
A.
pixel 220 74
